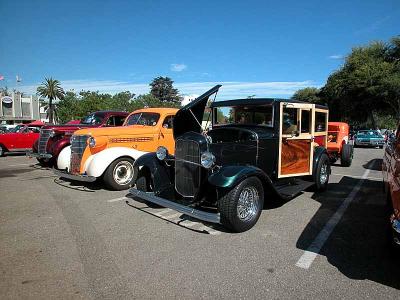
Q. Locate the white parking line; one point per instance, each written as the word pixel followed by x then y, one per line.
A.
pixel 118 199
pixel 313 250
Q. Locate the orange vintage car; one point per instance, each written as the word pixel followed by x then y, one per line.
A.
pixel 338 143
pixel 109 153
pixel 391 179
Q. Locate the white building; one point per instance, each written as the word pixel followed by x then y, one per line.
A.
pixel 18 108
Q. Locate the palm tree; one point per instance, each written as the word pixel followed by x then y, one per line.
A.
pixel 51 89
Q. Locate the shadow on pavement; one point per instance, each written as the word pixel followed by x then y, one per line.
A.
pixel 374 164
pixel 79 185
pixel 358 245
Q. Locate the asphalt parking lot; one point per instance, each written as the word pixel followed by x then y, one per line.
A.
pixel 60 239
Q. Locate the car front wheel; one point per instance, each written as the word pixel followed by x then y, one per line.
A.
pixel 241 207
pixel 2 150
pixel 119 174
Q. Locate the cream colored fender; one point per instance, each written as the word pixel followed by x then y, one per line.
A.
pixel 64 159
pixel 96 164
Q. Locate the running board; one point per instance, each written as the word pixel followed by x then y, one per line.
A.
pixel 189 211
pixel 289 191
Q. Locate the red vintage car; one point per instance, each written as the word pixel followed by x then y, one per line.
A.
pixel 54 138
pixel 20 138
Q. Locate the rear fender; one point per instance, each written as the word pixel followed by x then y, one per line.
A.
pixel 97 163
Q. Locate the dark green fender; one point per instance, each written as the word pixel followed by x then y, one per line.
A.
pixel 229 176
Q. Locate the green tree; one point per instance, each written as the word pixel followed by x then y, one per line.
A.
pixel 308 94
pixel 162 88
pixel 52 90
pixel 367 85
pixel 68 108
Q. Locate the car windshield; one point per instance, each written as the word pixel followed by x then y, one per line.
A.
pixel 244 115
pixel 93 119
pixel 17 128
pixel 369 132
pixel 145 119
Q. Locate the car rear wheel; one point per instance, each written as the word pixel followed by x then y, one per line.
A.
pixel 346 155
pixel 241 207
pixel 119 174
pixel 321 176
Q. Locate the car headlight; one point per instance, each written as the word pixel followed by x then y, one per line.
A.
pixel 161 153
pixel 52 133
pixel 207 160
pixel 92 142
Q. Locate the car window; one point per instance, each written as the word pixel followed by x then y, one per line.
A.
pixel 320 122
pixel 145 119
pixel 93 119
pixel 245 115
pixel 168 122
pixel 305 121
pixel 115 121
pixel 289 122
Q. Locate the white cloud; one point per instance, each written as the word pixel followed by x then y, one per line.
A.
pixel 178 67
pixel 229 90
pixel 335 56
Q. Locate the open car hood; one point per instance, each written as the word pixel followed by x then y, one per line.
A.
pixel 189 117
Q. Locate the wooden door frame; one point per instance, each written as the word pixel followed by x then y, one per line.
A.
pixel 302 136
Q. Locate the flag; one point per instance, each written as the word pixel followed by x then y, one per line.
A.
pixel 1 77
pixel 18 78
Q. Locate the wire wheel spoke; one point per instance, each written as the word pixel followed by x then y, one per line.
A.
pixel 248 202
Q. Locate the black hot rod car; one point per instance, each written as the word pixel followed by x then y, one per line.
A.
pixel 256 149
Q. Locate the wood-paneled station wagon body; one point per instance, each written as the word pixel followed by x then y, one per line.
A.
pixel 257 149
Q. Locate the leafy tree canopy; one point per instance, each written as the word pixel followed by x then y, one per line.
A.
pixel 162 89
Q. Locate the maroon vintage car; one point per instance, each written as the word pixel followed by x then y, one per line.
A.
pixel 54 138
pixel 20 138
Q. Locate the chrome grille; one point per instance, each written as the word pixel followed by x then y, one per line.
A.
pixel 187 167
pixel 78 146
pixel 43 139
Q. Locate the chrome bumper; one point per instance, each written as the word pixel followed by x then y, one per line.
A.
pixel 66 175
pixel 39 155
pixel 189 211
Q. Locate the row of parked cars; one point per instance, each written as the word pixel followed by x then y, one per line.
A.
pixel 255 149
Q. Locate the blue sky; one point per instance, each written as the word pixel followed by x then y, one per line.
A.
pixel 266 48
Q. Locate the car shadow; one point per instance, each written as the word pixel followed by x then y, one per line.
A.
pixel 79 185
pixel 358 246
pixel 374 164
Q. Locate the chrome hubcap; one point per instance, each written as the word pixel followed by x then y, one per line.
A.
pixel 123 172
pixel 248 203
pixel 323 175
